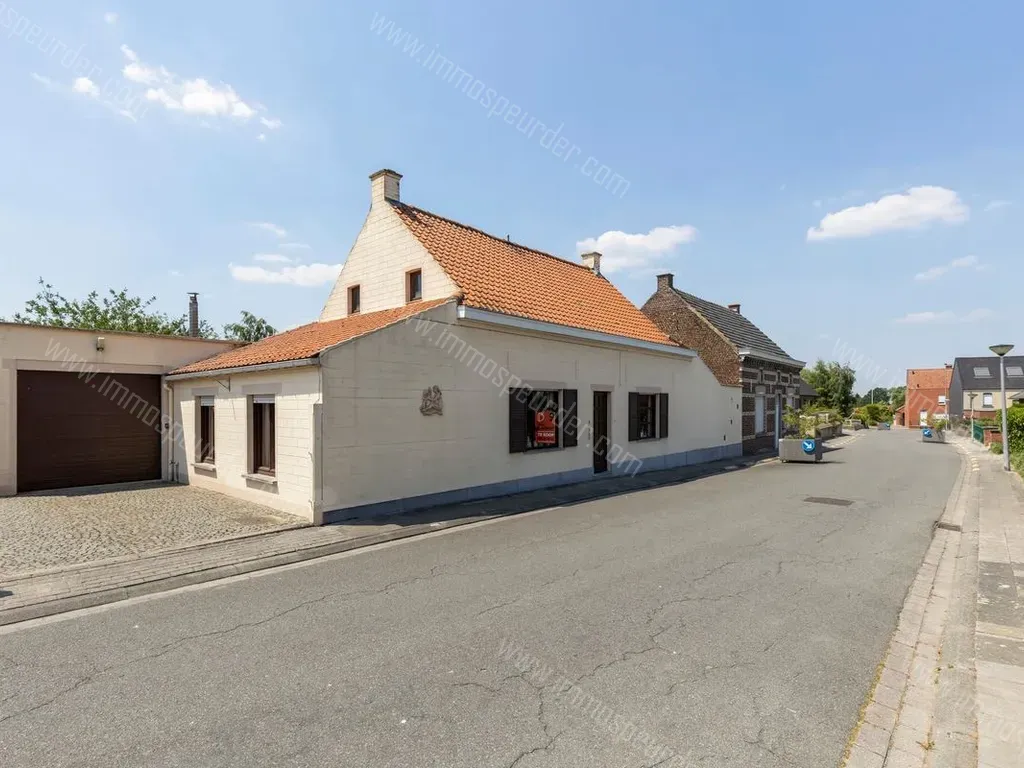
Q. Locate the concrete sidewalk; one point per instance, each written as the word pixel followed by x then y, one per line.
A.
pixel 999 639
pixel 90 584
pixel 950 692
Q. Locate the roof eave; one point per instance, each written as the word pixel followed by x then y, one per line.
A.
pixel 577 334
pixel 259 367
pixel 784 360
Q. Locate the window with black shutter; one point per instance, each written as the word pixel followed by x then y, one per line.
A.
pixel 648 416
pixel 517 420
pixel 663 415
pixel 536 420
pixel 569 420
pixel 264 458
pixel 634 416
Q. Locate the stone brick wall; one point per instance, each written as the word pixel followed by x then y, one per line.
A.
pixel 681 324
pixel 769 379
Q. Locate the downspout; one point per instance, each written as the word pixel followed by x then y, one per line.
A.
pixel 172 465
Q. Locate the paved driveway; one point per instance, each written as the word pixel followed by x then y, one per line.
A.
pixel 63 528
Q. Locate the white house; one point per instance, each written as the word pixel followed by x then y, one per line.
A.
pixel 447 365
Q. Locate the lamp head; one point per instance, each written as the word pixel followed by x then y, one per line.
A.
pixel 1001 349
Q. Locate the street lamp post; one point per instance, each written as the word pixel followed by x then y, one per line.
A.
pixel 1002 350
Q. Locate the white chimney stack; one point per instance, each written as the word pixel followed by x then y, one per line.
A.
pixel 384 185
pixel 592 261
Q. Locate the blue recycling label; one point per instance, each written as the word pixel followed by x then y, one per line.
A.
pixel 809 446
pixel 927 432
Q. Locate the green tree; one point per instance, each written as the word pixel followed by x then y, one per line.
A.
pixel 117 311
pixel 250 328
pixel 897 397
pixel 834 383
pixel 876 395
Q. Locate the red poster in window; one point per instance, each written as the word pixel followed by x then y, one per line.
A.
pixel 544 423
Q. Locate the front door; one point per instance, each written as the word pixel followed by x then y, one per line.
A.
pixel 600 432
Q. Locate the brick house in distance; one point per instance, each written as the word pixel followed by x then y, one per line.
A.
pixel 927 390
pixel 738 353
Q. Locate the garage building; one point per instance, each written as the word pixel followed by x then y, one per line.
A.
pixel 82 408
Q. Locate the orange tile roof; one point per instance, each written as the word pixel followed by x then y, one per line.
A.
pixel 308 340
pixel 929 378
pixel 501 276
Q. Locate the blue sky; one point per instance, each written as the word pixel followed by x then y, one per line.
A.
pixel 850 173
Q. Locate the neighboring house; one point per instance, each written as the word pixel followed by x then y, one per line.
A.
pixel 975 387
pixel 82 407
pixel 447 365
pixel 899 416
pixel 927 390
pixel 738 352
pixel 808 395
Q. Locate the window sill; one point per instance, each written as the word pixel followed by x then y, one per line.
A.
pixel 204 466
pixel 258 478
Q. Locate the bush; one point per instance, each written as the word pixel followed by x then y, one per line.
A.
pixel 995 447
pixel 1015 428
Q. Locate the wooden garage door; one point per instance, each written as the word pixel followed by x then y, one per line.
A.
pixel 73 431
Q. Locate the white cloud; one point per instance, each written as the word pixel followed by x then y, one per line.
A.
pixel 295 246
pixel 110 17
pixel 302 274
pixel 946 317
pixel 174 273
pixel 934 273
pixel 272 257
pixel 268 226
pixel 46 82
pixel 86 86
pixel 191 96
pixel 996 205
pixel 82 85
pixel 262 137
pixel 622 250
pixel 915 208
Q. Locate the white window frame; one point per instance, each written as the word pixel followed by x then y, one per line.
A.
pixel 987 401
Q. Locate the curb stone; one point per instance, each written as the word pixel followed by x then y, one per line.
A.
pixel 896 728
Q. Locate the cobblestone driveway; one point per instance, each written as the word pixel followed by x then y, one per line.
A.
pixel 62 529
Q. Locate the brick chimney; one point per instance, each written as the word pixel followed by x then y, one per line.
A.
pixel 193 315
pixel 384 186
pixel 665 281
pixel 592 261
pixel 735 308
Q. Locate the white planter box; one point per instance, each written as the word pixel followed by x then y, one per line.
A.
pixel 807 449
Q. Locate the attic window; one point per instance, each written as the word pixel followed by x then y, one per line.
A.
pixel 353 300
pixel 414 281
pixel 982 373
pixel 1014 370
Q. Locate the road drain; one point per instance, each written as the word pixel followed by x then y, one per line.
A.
pixel 827 500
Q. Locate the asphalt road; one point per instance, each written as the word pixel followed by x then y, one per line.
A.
pixel 721 622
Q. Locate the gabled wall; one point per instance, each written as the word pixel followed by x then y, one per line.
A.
pixel 680 323
pixel 383 253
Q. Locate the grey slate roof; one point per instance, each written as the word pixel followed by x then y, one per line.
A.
pixel 806 390
pixel 742 333
pixel 971 381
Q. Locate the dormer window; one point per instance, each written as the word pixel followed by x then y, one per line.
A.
pixel 353 299
pixel 414 285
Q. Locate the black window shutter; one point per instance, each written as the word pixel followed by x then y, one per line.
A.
pixel 569 420
pixel 663 414
pixel 634 417
pixel 516 421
